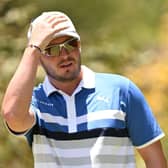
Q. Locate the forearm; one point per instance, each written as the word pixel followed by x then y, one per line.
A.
pixel 18 95
pixel 17 98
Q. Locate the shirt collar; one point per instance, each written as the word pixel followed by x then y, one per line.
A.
pixel 88 81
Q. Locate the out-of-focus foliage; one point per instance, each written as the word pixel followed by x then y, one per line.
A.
pixel 127 37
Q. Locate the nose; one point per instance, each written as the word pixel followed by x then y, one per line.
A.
pixel 63 52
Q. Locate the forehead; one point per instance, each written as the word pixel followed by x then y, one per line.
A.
pixel 59 40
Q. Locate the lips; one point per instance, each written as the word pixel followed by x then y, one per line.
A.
pixel 65 65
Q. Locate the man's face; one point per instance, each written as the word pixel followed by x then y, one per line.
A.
pixel 66 65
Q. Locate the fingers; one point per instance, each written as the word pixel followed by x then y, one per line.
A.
pixel 57 22
pixel 46 27
pixel 53 18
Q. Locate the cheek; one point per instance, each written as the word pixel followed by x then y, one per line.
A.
pixel 45 62
pixel 77 52
pixel 48 60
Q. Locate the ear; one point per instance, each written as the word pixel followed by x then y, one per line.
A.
pixel 39 63
pixel 80 49
pixel 79 46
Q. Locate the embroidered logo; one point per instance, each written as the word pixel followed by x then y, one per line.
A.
pixel 103 98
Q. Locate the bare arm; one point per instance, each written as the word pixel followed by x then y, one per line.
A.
pixel 153 156
pixel 16 102
pixel 15 106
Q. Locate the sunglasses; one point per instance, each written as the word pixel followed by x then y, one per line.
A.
pixel 54 50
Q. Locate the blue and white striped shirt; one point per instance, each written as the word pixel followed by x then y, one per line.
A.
pixel 96 127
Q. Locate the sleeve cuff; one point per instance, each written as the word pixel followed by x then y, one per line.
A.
pixel 151 141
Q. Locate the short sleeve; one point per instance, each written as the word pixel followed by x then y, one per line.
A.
pixel 142 125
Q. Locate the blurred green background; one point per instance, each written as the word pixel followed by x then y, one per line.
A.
pixel 125 37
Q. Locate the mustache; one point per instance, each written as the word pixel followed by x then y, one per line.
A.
pixel 68 59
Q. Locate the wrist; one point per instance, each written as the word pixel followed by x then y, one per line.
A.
pixel 35 47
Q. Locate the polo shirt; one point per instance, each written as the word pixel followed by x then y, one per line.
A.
pixel 98 126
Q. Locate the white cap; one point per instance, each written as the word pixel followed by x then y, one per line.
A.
pixel 70 31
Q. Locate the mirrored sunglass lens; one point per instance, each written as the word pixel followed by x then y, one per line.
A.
pixel 73 43
pixel 68 47
pixel 52 51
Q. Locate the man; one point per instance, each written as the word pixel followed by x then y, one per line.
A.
pixel 76 117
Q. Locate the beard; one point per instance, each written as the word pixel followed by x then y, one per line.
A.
pixel 67 76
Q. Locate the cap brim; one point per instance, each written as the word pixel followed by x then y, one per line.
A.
pixel 67 33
